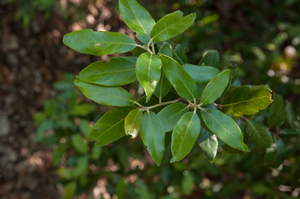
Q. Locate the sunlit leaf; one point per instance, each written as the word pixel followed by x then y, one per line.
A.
pixel 117 72
pixel 208 142
pixel 171 25
pixel 246 100
pixel 98 43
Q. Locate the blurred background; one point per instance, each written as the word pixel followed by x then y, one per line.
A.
pixel 44 120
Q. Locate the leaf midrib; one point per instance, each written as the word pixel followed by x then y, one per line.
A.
pixel 244 101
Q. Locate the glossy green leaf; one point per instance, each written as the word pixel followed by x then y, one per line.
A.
pixel 291 116
pixel 65 173
pixel 83 109
pixel 215 87
pixel 258 133
pixel 165 50
pixel 187 183
pixel 79 144
pixel 170 115
pixel 208 142
pixel 171 25
pixel 182 82
pixel 117 72
pixel 98 43
pixel 137 19
pixel 200 74
pixel 153 136
pixel 225 128
pixel 180 55
pixel 111 96
pixel 70 190
pixel 163 87
pixel 184 136
pixel 110 127
pixel 211 58
pixel 133 123
pixel 277 112
pixel 148 71
pixel 246 100
pixel 82 167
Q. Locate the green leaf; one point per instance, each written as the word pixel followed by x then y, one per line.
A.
pixel 153 136
pixel 258 133
pixel 208 142
pixel 65 173
pixel 138 51
pixel 180 55
pixel 148 71
pixel 58 153
pixel 70 190
pixel 98 43
pixel 225 128
pixel 170 115
pixel 246 100
pixel 83 109
pixel 133 123
pixel 96 152
pixel 171 25
pixel 211 58
pixel 277 112
pixel 163 87
pixel 187 183
pixel 111 96
pixel 184 136
pixel 79 144
pixel 182 82
pixel 137 19
pixel 117 72
pixel 215 87
pixel 110 127
pixel 291 116
pixel 165 50
pixel 84 127
pixel 288 133
pixel 276 154
pixel 82 167
pixel 200 74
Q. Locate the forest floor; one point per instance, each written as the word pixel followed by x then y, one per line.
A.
pixel 31 60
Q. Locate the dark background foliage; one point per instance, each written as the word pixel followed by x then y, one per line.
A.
pixel 261 37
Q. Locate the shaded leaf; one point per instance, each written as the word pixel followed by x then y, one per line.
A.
pixel 98 43
pixel 184 84
pixel 165 50
pixel 110 127
pixel 187 184
pixel 70 190
pixel 275 154
pixel 153 136
pixel 83 109
pixel 117 72
pixel 246 100
pixel 148 71
pixel 133 122
pixel 291 116
pixel 137 18
pixel 288 133
pixel 259 133
pixel 180 55
pixel 225 128
pixel 208 142
pixel 211 58
pixel 84 127
pixel 111 96
pixel 170 115
pixel 58 153
pixel 82 167
pixel 171 25
pixel 200 74
pixel 184 136
pixel 277 112
pixel 65 173
pixel 79 144
pixel 163 87
pixel 215 87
